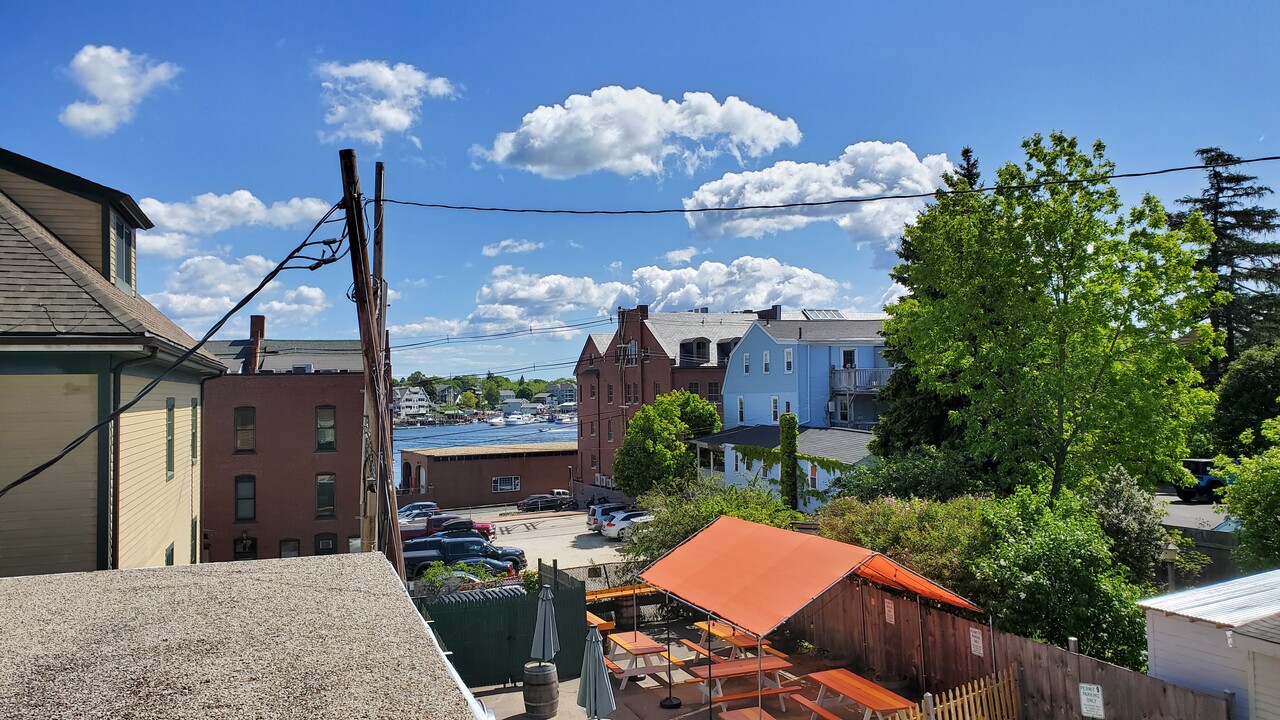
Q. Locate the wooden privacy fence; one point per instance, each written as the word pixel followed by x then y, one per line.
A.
pixel 994 697
pixel 938 651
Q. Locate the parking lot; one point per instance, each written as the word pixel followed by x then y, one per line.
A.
pixel 560 536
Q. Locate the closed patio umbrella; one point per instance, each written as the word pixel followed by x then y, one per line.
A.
pixel 595 694
pixel 546 640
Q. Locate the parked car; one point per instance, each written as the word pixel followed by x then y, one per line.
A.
pixel 454 550
pixel 419 506
pixel 416 515
pixel 494 566
pixel 597 513
pixel 534 503
pixel 1207 485
pixel 439 522
pixel 618 524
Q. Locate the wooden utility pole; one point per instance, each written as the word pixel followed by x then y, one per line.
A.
pixel 379 528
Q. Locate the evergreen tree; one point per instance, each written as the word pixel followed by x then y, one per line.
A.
pixel 1247 266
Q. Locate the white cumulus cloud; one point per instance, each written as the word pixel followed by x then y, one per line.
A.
pixel 204 287
pixel 371 98
pixel 299 306
pixel 118 80
pixel 211 213
pixel 748 283
pixel 681 256
pixel 634 132
pixel 864 169
pixel 171 245
pixel 510 246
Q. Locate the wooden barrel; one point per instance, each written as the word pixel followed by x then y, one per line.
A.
pixel 541 690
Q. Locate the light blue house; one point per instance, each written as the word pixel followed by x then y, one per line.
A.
pixel 826 369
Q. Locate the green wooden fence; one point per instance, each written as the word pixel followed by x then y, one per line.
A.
pixel 489 637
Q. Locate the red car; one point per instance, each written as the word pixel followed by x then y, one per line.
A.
pixel 429 526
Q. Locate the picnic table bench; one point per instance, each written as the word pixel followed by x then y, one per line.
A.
pixel 601 624
pixel 713 676
pixel 746 714
pixel 618 592
pixel 739 642
pixel 643 654
pixel 849 688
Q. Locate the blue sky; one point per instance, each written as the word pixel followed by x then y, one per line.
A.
pixel 225 121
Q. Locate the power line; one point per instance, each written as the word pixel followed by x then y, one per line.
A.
pixel 330 251
pixel 840 201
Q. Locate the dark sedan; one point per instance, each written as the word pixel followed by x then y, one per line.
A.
pixel 534 503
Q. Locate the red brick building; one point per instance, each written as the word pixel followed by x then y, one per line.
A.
pixel 456 477
pixel 282 448
pixel 649 354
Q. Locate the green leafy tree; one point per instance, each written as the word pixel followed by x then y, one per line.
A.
pixel 678 515
pixel 524 392
pixel 1248 394
pixel 468 400
pixel 925 472
pixel 492 393
pixel 653 453
pixel 915 416
pixel 1244 264
pixel 1130 516
pixel 1067 310
pixel 789 433
pixel 1046 572
pixel 1253 498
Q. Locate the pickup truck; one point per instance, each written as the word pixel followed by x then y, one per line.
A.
pixel 433 524
pixel 420 553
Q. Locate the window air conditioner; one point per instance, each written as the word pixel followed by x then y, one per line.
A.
pixel 324 545
pixel 831 407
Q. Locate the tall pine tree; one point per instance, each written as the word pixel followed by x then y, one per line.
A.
pixel 1247 265
pixel 915 416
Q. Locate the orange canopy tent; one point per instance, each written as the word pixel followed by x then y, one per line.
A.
pixel 755 576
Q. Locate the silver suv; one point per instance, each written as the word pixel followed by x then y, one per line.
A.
pixel 597 514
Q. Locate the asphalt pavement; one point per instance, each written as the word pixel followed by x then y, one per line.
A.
pixel 1200 514
pixel 560 536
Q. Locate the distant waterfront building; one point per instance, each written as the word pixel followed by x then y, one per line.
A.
pixel 485 475
pixel 410 402
pixel 77 341
pixel 282 445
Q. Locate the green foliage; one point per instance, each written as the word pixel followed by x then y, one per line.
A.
pixel 524 392
pixel 529 581
pixel 914 416
pixel 1046 572
pixel 1254 499
pixel 1129 515
pixel 678 515
pixel 924 472
pixel 437 576
pixel 468 400
pixel 1043 571
pixel 936 539
pixel 1244 264
pixel 1066 309
pixel 1248 394
pixel 789 432
pixel 653 454
pixel 492 393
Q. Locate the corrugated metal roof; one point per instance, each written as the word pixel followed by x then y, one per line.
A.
pixel 1232 603
pixel 1267 628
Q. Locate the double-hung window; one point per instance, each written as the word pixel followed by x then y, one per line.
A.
pixel 742 411
pixel 326 494
pixel 746 363
pixel 170 405
pixel 764 362
pixel 787 360
pixel 246 498
pixel 195 431
pixel 773 401
pixel 610 429
pixel 326 429
pixel 693 388
pixel 246 421
pixel 609 394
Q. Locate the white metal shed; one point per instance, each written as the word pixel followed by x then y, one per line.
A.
pixel 1222 637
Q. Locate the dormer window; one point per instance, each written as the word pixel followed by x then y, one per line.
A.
pixel 123 238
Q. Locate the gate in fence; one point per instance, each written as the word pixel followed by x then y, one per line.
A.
pixel 488 633
pixel 994 697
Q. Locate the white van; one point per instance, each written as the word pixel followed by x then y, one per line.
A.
pixel 597 514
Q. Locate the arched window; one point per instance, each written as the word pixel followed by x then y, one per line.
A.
pixel 406 476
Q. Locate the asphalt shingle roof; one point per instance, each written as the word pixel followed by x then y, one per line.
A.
pixel 1267 628
pixel 826 330
pixel 282 355
pixel 840 444
pixel 48 290
pixel 671 329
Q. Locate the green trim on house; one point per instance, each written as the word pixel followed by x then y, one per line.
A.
pixel 52 363
pixel 106 244
pixel 104 464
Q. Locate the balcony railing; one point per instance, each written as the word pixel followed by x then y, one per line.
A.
pixel 859 379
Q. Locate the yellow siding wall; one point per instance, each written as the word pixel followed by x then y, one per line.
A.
pixel 49 524
pixel 154 511
pixel 76 221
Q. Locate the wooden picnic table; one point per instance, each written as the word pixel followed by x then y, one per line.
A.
pixel 714 675
pixel 746 714
pixel 642 654
pixel 739 642
pixel 849 688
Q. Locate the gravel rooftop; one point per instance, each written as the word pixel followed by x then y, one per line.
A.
pixel 332 637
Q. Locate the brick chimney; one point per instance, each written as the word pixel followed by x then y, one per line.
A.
pixel 642 312
pixel 257 331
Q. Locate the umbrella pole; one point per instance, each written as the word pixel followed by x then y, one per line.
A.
pixel 670 702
